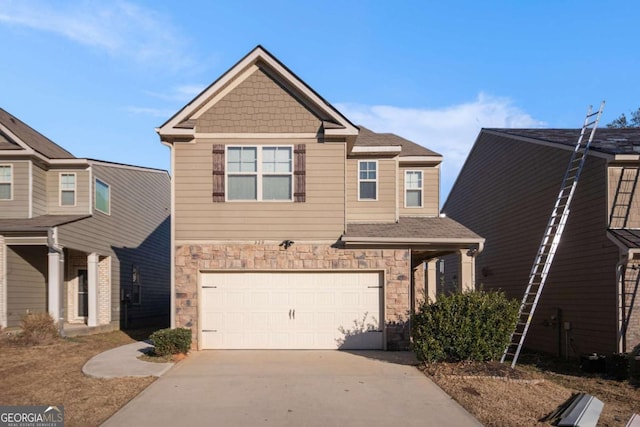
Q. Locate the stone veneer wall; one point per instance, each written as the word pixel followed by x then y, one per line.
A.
pixel 633 326
pixel 395 263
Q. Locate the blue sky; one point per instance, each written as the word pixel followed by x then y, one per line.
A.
pixel 98 77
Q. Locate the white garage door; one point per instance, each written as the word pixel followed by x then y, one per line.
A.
pixel 291 310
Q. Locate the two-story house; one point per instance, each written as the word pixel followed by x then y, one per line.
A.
pixel 506 191
pixel 85 240
pixel 294 228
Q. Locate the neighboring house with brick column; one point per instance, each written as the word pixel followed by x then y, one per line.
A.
pixel 506 191
pixel 294 228
pixel 85 240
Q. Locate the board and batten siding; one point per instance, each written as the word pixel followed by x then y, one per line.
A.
pixel 27 274
pixel 82 192
pixel 39 180
pixel 319 217
pixel 505 193
pixel 136 232
pixel 430 191
pixel 384 208
pixel 18 206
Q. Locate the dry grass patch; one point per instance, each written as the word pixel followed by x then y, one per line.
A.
pixel 52 375
pixel 500 396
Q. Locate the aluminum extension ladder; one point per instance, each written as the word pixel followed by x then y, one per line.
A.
pixel 551 237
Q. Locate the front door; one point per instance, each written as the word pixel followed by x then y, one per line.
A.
pixel 83 293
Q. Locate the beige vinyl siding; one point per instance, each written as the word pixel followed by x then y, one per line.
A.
pixel 137 232
pixel 27 279
pixel 82 192
pixel 505 193
pixel 430 191
pixel 320 217
pixel 39 179
pixel 18 207
pixel 633 218
pixel 384 208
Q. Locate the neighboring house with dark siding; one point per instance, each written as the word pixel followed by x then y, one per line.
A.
pixel 506 191
pixel 294 228
pixel 85 240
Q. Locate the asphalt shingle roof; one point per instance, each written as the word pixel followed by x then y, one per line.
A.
pixel 39 223
pixel 413 228
pixel 368 138
pixel 31 137
pixel 606 140
pixel 628 237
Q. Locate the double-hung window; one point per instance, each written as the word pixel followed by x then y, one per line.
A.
pixel 259 173
pixel 6 182
pixel 413 189
pixel 67 189
pixel 367 180
pixel 103 197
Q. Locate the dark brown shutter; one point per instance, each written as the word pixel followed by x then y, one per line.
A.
pixel 218 172
pixel 299 173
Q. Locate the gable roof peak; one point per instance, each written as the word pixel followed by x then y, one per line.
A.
pixel 26 136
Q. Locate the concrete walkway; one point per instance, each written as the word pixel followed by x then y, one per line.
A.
pixel 294 388
pixel 123 362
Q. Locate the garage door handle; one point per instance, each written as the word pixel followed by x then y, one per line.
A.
pixel 289 314
pixel 294 314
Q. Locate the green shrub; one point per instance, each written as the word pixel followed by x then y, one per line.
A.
pixel 171 341
pixel 37 329
pixel 464 326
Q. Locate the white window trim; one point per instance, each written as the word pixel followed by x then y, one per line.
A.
pixel 406 189
pixel 10 182
pixel 75 189
pixel 95 202
pixel 369 180
pixel 258 173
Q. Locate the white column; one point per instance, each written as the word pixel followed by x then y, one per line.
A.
pixel 467 271
pixel 92 277
pixel 3 284
pixel 55 282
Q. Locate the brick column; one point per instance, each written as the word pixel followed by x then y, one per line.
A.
pixel 104 290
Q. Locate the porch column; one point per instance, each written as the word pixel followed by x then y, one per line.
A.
pixel 3 284
pixel 54 284
pixel 431 285
pixel 467 271
pixel 92 294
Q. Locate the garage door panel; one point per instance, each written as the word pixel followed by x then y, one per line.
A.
pixel 256 310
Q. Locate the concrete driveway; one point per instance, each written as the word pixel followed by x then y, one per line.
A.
pixel 294 388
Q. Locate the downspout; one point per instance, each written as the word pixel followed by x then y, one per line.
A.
pixel 54 247
pixel 172 314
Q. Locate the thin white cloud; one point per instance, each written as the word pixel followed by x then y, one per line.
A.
pixel 121 28
pixel 153 112
pixel 181 93
pixel 450 131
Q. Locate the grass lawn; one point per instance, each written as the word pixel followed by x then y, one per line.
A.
pixel 52 375
pixel 500 396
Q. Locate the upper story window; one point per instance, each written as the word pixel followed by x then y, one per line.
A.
pixel 413 189
pixel 259 173
pixel 367 180
pixel 103 197
pixel 6 182
pixel 67 189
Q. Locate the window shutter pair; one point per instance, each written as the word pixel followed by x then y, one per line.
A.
pixel 299 175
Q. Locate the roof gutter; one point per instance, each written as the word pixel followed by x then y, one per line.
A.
pixel 478 243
